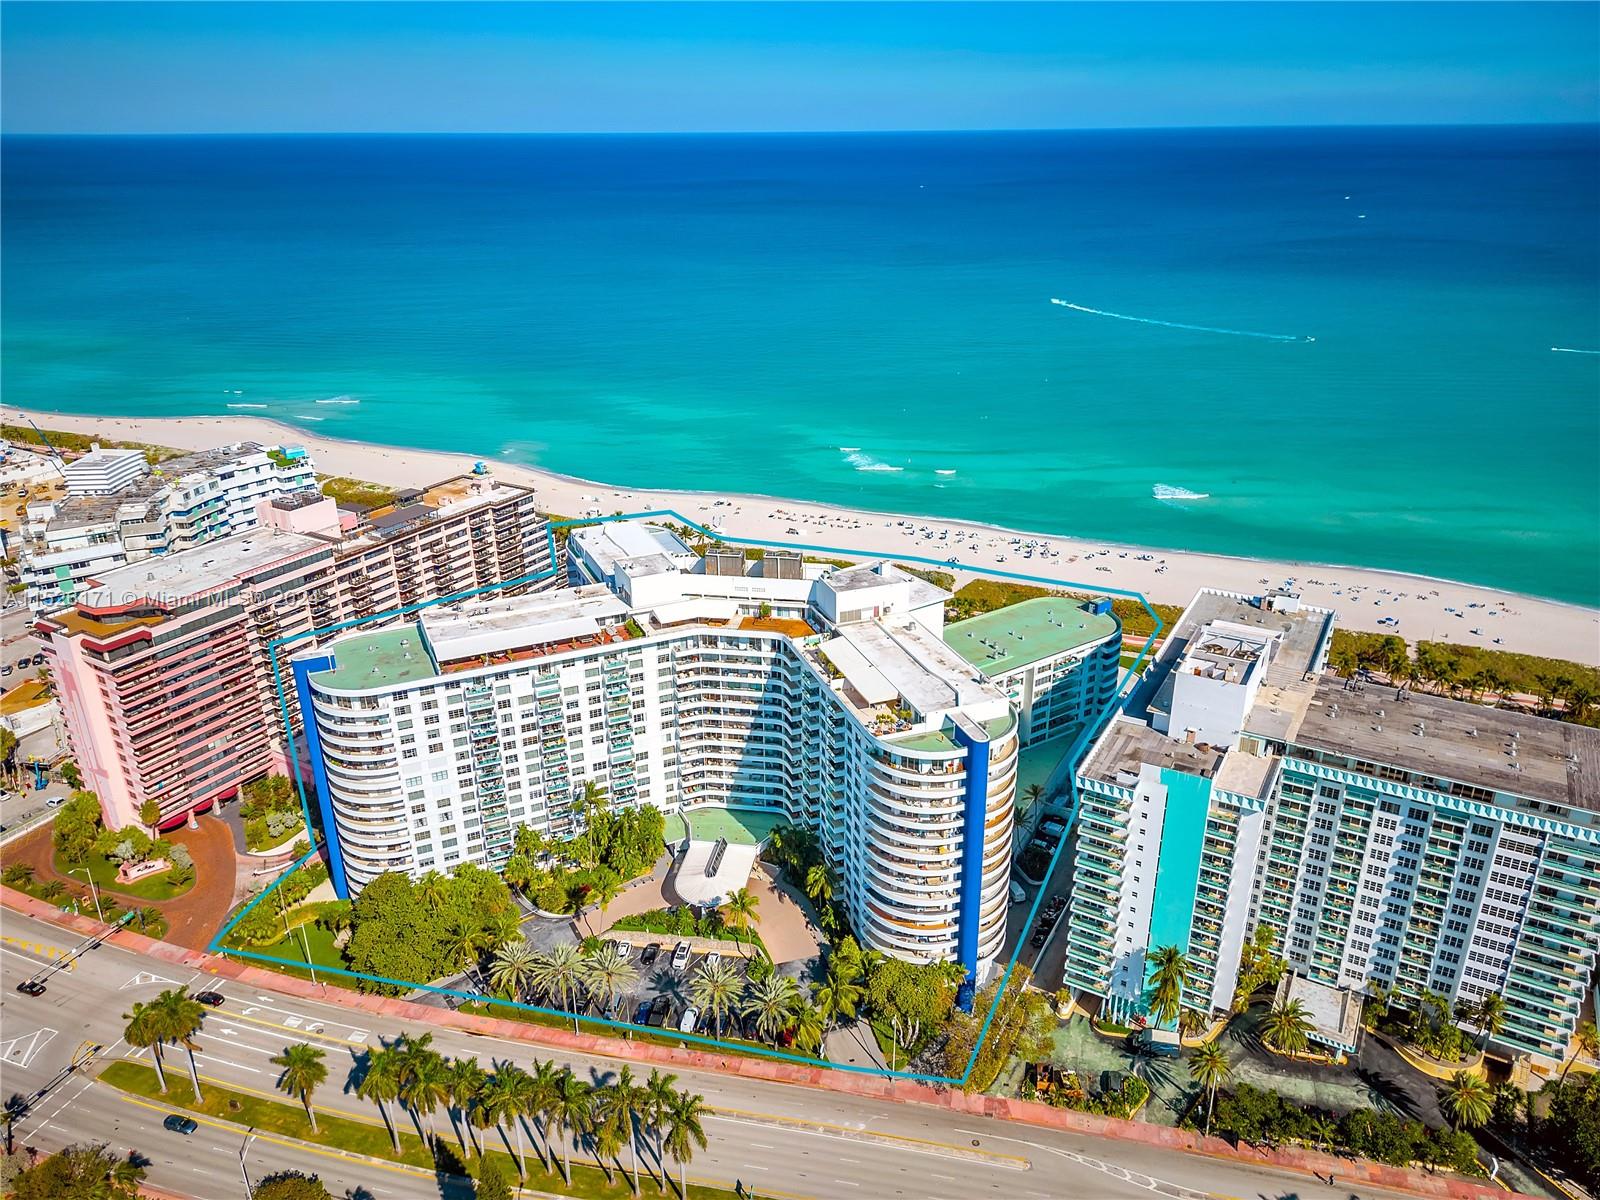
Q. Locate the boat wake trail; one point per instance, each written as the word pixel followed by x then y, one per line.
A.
pixel 1570 350
pixel 1163 491
pixel 1100 312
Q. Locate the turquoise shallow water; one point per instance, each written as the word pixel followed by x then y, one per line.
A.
pixel 866 320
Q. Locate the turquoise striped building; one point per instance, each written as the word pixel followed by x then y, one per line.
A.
pixel 1384 837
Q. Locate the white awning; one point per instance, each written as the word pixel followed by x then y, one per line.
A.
pixel 861 675
pixel 696 608
pixel 450 645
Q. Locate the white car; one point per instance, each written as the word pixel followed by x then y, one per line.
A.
pixel 691 1017
pixel 624 949
pixel 1017 894
pixel 680 956
pixel 712 960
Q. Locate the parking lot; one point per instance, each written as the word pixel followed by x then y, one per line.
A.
pixel 660 995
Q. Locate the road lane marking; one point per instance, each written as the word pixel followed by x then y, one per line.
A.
pixel 30 959
pixel 1161 1187
pixel 913 1145
pixel 24 1048
pixel 144 978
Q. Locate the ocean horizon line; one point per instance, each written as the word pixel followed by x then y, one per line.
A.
pixel 743 133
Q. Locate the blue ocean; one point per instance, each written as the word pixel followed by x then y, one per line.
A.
pixel 1325 345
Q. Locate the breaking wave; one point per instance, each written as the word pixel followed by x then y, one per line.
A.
pixel 865 462
pixel 1163 491
pixel 340 400
pixel 247 406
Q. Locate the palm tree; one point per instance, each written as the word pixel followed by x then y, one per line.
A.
pixel 380 1083
pixel 433 889
pixel 512 968
pixel 144 1032
pixel 684 1132
pixel 1468 1100
pixel 543 1085
pixel 465 1079
pixel 463 944
pixel 1287 1028
pixel 560 973
pixel 1169 971
pixel 423 1082
pixel 303 1073
pixel 772 1002
pixel 1033 793
pixel 659 1092
pixel 1191 1022
pixel 1490 1017
pixel 716 990
pixel 625 1104
pixel 1210 1067
pixel 519 872
pixel 609 975
pixel 501 1099
pixel 180 1019
pixel 838 996
pixel 819 884
pixel 1322 1130
pixel 571 1108
pixel 809 1026
pixel 739 911
pixel 16 1108
pixel 1585 1040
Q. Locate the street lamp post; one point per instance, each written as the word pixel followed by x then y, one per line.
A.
pixel 93 891
pixel 305 943
pixel 243 1150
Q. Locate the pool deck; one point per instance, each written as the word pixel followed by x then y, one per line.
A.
pixel 742 827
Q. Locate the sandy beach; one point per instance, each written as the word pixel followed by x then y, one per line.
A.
pixel 1416 608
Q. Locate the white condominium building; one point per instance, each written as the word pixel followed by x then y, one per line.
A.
pixel 829 695
pixel 103 472
pixel 119 510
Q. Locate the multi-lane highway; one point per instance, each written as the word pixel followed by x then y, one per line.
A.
pixel 779 1140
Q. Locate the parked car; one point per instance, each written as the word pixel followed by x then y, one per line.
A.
pixel 691 1017
pixel 650 953
pixel 712 960
pixel 1038 939
pixel 1017 893
pixel 180 1124
pixel 624 949
pixel 680 956
pixel 55 802
pixel 5 670
pixel 660 1007
pixel 210 999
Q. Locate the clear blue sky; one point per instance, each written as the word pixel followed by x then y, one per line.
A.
pixel 200 67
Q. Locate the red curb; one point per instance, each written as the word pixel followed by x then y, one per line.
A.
pixel 901 1091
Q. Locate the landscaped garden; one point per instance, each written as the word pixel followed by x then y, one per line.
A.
pixel 146 919
pixel 614 847
pixel 83 845
pixel 271 813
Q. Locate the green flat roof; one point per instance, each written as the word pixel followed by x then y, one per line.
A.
pixel 378 659
pixel 1020 634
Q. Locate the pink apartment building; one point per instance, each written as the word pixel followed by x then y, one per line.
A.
pixel 164 669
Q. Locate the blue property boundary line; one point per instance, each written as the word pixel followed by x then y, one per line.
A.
pixel 1090 730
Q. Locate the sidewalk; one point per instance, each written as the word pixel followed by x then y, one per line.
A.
pixel 902 1091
